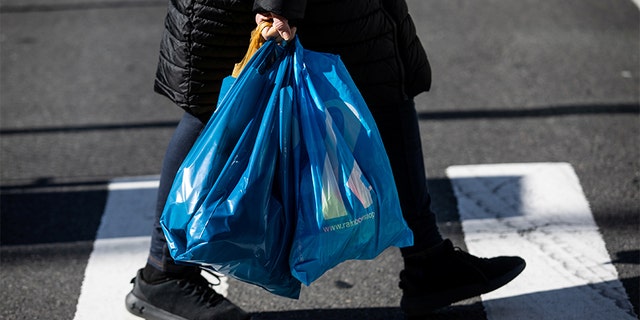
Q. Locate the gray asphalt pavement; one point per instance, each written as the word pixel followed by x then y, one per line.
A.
pixel 514 81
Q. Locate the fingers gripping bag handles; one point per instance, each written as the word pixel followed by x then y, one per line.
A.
pixel 226 209
pixel 348 205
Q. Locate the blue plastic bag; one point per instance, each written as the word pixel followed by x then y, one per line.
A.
pixel 288 179
pixel 347 202
pixel 227 208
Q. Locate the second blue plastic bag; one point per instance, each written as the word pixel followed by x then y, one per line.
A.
pixel 347 203
pixel 228 207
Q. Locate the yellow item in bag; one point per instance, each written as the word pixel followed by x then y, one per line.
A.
pixel 256 42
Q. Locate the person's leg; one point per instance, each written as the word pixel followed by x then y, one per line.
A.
pixel 164 289
pixel 398 126
pixel 184 137
pixel 436 274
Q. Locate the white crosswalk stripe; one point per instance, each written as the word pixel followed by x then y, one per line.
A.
pixel 537 211
pixel 120 249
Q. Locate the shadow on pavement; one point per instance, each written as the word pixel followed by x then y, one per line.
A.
pixel 388 313
pixel 551 111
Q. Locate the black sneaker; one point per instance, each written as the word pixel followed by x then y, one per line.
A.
pixel 443 275
pixel 189 297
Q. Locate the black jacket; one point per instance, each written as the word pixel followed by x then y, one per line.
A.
pixel 376 39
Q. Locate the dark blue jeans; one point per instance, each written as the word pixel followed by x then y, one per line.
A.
pixel 398 126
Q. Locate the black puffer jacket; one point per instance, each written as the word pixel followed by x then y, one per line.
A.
pixel 376 39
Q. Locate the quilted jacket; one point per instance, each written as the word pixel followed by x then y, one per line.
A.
pixel 376 40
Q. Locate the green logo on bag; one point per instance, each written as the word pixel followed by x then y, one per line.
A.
pixel 332 198
pixel 332 203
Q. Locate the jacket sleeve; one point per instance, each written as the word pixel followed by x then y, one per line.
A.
pixel 290 9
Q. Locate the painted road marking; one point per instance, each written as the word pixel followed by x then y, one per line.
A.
pixel 538 211
pixel 120 249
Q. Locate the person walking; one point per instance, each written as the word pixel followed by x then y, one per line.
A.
pixel 377 41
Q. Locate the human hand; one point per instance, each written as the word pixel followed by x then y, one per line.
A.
pixel 280 30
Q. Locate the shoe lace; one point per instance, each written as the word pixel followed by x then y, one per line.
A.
pixel 197 286
pixel 475 263
pixel 468 256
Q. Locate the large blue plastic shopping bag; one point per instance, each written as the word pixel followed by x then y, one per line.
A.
pixel 347 203
pixel 288 179
pixel 228 208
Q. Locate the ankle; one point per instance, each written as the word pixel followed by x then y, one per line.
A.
pixel 152 274
pixel 425 255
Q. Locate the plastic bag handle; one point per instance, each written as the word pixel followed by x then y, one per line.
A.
pixel 256 42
